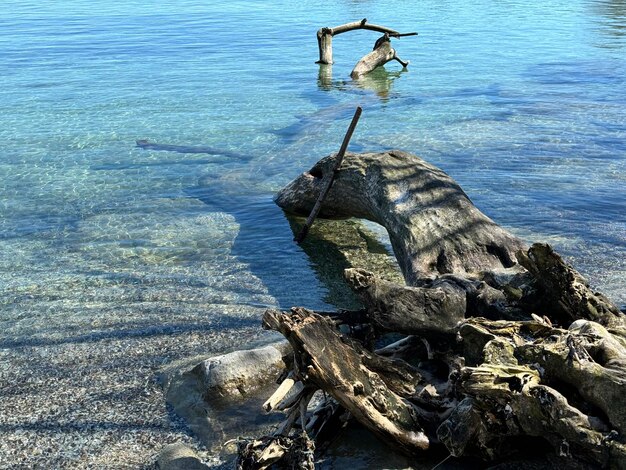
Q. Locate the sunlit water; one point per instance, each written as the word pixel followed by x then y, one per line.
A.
pixel 523 103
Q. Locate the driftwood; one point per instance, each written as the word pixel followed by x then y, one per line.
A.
pixel 509 352
pixel 382 53
pixel 325 36
pixel 330 177
pixel 433 226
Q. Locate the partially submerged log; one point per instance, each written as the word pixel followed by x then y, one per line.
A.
pixel 433 226
pixel 147 145
pixel 382 53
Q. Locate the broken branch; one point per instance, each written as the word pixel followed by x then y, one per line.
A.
pixel 330 178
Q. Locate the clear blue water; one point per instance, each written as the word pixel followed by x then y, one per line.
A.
pixel 523 103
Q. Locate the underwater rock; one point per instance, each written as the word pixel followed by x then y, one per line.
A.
pixel 178 456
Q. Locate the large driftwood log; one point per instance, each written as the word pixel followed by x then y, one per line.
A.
pixel 433 226
pixel 546 370
pixel 534 381
pixel 324 360
pixel 522 380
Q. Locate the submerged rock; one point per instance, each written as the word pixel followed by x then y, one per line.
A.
pixel 178 456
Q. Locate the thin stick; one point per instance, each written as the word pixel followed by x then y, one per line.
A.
pixel 329 180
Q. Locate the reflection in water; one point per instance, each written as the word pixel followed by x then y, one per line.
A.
pixel 379 81
pixel 612 21
pixel 325 77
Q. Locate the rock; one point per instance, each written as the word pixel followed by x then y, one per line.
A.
pixel 241 372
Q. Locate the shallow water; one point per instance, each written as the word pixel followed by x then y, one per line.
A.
pixel 100 240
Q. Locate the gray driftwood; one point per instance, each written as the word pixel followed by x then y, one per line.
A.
pixel 501 359
pixel 325 36
pixel 382 53
pixel 433 226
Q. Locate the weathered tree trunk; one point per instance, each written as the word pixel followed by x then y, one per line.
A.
pixel 409 310
pixel 325 46
pixel 535 380
pixel 565 293
pixel 328 363
pixel 433 226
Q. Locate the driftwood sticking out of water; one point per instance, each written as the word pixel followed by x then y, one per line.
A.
pixel 325 36
pixel 545 370
pixel 433 226
pixel 382 53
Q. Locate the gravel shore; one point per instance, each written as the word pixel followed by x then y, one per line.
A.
pixel 95 402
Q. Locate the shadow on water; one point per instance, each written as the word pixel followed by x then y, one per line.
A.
pixel 574 73
pixel 370 91
pixel 310 125
pixel 139 165
pixel 140 331
pixel 294 275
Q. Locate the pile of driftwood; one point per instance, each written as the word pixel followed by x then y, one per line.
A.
pixel 491 349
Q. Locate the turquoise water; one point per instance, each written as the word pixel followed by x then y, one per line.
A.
pixel 523 103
